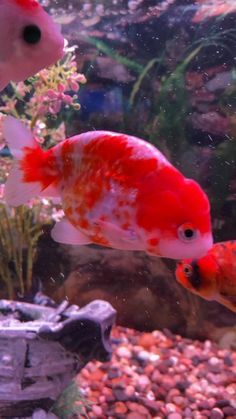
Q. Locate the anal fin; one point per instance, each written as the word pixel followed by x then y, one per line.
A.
pixel 64 232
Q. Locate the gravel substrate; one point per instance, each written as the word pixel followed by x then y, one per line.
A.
pixel 161 375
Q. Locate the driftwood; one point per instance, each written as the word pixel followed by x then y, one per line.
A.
pixel 43 348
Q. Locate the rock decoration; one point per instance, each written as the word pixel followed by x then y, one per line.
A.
pixel 43 348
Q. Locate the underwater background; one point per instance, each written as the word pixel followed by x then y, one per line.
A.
pixel 164 71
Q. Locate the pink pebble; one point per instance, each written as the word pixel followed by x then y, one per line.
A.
pixel 180 401
pixel 171 394
pixel 216 414
pixel 171 408
pixel 135 415
pixel 143 382
pixel 130 390
pixel 213 361
pixel 174 416
pixel 102 399
pixel 97 410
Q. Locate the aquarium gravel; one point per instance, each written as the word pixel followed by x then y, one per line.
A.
pixel 161 375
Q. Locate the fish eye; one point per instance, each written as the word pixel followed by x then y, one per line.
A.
pixel 186 232
pixel 31 34
pixel 187 270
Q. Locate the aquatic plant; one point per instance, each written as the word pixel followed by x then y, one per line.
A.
pixel 168 102
pixel 71 402
pixel 111 52
pixel 43 102
pixel 20 229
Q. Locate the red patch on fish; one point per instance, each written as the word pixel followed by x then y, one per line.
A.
pixel 174 191
pixel 67 158
pixel 117 158
pixel 150 213
pixel 28 4
pixel 153 242
pixel 104 161
pixel 38 165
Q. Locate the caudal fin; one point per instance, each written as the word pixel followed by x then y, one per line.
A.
pixel 3 77
pixel 17 136
pixel 25 180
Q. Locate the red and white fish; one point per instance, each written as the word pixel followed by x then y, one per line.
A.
pixel 212 277
pixel 29 40
pixel 116 190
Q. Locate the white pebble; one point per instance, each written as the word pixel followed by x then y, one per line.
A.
pixel 154 357
pixel 171 408
pixel 124 352
pixel 143 355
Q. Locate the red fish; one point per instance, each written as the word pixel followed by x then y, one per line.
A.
pixel 212 277
pixel 29 40
pixel 116 190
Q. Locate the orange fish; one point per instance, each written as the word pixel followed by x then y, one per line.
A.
pixel 116 190
pixel 29 40
pixel 212 277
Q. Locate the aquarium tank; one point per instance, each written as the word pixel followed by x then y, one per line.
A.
pixel 105 216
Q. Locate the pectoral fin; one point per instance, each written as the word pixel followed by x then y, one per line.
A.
pixel 64 232
pixel 124 239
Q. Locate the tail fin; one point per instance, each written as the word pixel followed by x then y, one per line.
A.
pixel 4 80
pixel 27 177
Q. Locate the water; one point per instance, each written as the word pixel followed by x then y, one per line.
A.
pixel 165 72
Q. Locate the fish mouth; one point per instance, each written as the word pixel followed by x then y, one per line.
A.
pixel 175 249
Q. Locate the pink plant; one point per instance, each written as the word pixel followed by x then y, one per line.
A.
pixel 46 94
pixel 50 91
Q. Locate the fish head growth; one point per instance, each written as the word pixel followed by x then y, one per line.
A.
pixel 180 215
pixel 199 276
pixel 30 40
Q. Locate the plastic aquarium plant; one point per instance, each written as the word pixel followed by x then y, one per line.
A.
pixel 71 402
pixel 159 92
pixel 43 102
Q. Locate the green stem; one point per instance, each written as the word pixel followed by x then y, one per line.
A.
pixel 33 121
pixel 140 79
pixel 101 46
